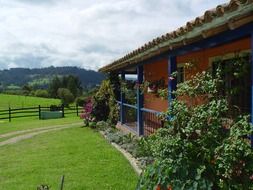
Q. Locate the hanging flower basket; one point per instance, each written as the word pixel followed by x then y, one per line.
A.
pixel 151 90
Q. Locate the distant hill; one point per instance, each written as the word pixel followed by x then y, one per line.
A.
pixel 40 77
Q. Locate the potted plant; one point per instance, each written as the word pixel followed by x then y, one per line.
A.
pixel 153 86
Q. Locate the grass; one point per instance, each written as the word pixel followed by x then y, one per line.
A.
pixel 82 155
pixel 17 101
pixel 31 123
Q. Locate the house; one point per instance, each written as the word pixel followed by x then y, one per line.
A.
pixel 221 33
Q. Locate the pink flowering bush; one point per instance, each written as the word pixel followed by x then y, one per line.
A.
pixel 87 112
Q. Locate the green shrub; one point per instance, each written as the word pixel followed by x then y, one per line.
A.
pixel 55 108
pixel 102 125
pixel 41 93
pixel 200 148
pixel 66 96
pixel 115 137
pixel 80 101
pixel 104 104
pixel 26 90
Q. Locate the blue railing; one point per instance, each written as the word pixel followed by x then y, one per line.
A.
pixel 151 121
pixel 150 111
pixel 151 118
pixel 130 106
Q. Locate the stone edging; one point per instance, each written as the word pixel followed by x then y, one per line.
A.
pixel 128 156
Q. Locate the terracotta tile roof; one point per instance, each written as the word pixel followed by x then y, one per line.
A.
pixel 214 21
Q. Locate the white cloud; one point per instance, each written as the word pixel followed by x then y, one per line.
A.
pixel 86 33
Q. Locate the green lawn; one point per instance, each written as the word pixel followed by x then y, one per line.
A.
pixel 86 159
pixel 31 123
pixel 16 101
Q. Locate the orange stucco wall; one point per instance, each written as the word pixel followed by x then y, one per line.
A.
pixel 152 72
pixel 201 58
pixel 159 69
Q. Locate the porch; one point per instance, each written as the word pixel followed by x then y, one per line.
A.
pixel 142 117
pixel 217 34
pixel 150 122
pixel 137 114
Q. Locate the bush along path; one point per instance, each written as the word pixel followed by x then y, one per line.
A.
pixel 26 134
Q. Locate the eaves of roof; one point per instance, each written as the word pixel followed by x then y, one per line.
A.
pixel 225 17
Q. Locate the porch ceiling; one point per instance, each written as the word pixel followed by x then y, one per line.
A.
pixel 215 21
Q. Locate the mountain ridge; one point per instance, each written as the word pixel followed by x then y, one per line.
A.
pixel 40 77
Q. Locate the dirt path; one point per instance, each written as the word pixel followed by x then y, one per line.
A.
pixel 32 133
pixel 33 130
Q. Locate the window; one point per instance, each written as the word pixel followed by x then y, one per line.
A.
pixel 236 86
pixel 180 74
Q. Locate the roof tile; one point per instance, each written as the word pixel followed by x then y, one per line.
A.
pixel 208 17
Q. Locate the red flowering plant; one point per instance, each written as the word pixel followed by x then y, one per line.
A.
pixel 87 113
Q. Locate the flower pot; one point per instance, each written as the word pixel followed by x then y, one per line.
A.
pixel 150 90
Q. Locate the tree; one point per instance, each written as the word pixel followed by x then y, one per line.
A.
pixel 66 96
pixel 74 85
pixel 104 104
pixel 42 93
pixel 54 86
pixel 70 82
pixel 26 89
pixel 115 82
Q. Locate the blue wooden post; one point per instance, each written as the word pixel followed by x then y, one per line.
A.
pixel 140 126
pixel 122 101
pixel 251 136
pixel 172 83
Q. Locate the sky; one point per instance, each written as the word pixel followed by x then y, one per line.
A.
pixel 86 33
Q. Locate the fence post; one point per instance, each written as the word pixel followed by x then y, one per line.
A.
pixel 62 182
pixel 39 112
pixel 62 109
pixel 77 110
pixel 9 114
